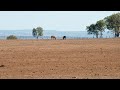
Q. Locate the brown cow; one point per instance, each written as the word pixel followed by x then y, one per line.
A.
pixel 53 37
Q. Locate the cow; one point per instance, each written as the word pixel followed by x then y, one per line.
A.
pixel 64 37
pixel 53 37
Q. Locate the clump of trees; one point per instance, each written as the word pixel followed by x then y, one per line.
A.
pixel 11 37
pixel 36 32
pixel 111 22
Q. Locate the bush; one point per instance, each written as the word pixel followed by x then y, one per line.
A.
pixel 11 37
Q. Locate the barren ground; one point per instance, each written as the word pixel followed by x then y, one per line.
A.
pixel 60 59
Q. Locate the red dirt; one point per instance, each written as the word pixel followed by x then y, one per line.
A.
pixel 60 59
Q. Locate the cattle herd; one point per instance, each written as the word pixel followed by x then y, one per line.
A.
pixel 53 37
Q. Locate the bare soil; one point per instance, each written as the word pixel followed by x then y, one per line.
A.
pixel 60 59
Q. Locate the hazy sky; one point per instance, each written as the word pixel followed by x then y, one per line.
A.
pixel 50 20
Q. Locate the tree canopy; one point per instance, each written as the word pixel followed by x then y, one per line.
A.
pixel 113 23
pixel 37 32
pixel 101 25
pixel 92 29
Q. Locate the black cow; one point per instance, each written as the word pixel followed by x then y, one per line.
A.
pixel 64 37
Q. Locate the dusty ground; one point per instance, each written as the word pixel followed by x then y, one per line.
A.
pixel 60 59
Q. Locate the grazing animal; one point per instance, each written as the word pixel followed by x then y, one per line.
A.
pixel 53 37
pixel 64 37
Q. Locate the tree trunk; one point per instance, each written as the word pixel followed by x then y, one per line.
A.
pixel 37 37
pixel 116 31
pixel 96 35
pixel 116 34
pixel 101 34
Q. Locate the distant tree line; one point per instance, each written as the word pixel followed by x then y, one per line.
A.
pixel 111 22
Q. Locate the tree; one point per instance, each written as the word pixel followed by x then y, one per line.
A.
pixel 92 29
pixel 113 23
pixel 101 25
pixel 37 32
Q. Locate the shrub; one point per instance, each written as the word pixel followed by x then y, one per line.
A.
pixel 11 37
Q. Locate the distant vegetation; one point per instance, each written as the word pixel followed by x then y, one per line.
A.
pixel 37 32
pixel 11 37
pixel 111 22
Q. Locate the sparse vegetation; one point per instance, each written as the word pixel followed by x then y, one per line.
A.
pixel 11 37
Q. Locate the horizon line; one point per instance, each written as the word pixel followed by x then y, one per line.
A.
pixel 31 29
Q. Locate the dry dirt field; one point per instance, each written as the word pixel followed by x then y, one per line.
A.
pixel 60 59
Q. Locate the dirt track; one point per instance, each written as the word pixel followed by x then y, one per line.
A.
pixel 60 59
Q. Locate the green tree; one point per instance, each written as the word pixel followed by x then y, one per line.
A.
pixel 92 29
pixel 113 23
pixel 37 32
pixel 101 25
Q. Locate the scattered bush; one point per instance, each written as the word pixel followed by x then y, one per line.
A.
pixel 11 37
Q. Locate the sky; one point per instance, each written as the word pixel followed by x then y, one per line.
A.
pixel 50 20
